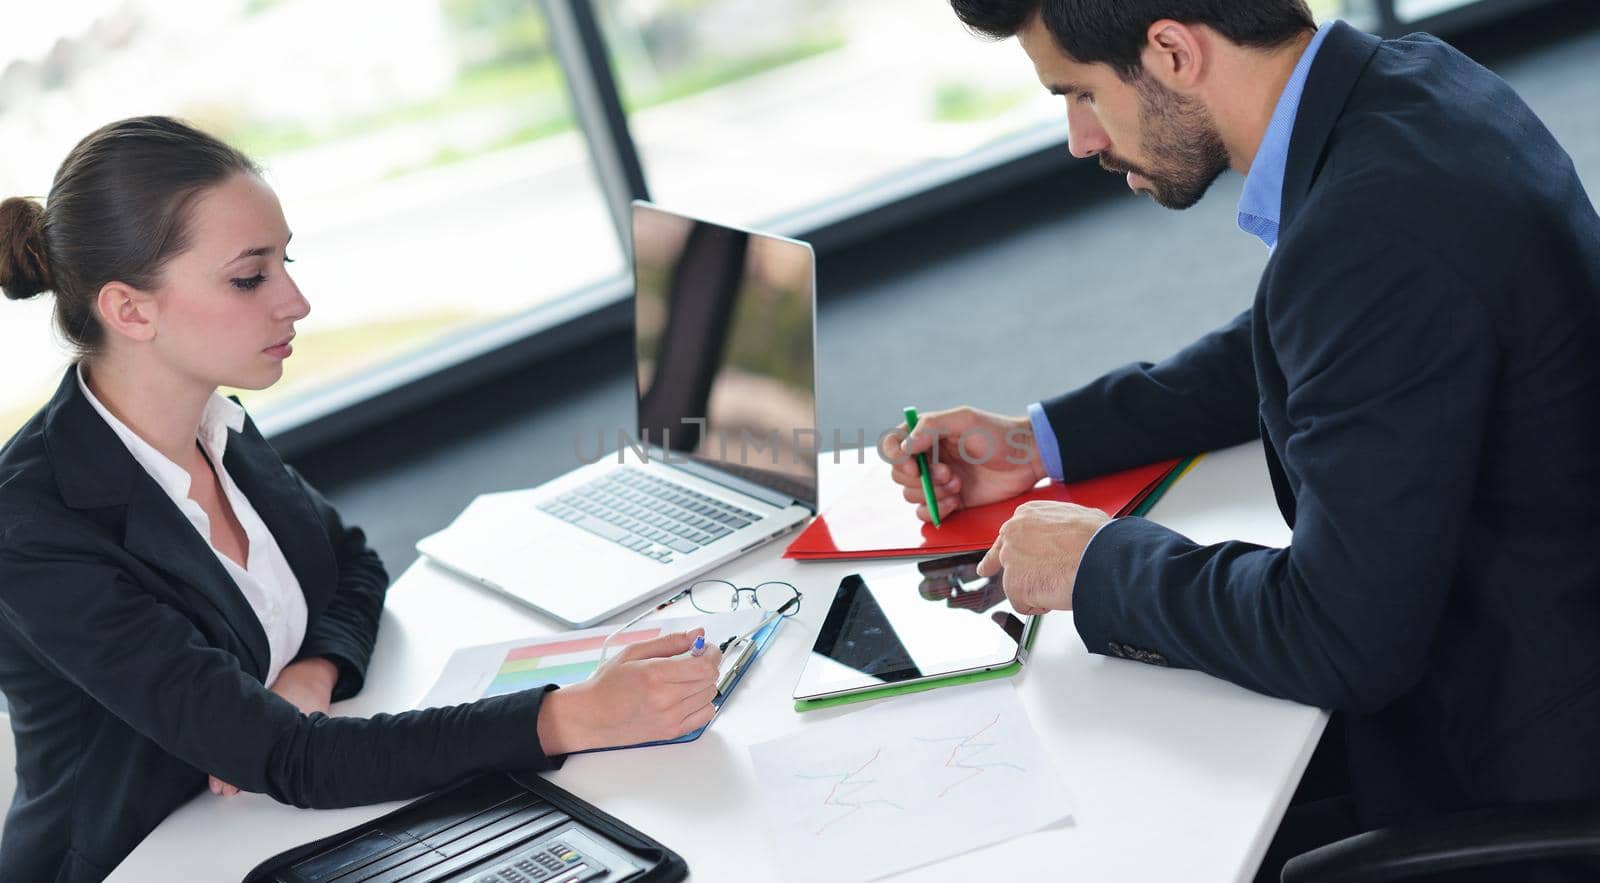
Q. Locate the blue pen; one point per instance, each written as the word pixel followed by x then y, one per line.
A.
pixel 699 648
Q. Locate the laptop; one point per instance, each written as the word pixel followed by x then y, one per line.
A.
pixel 722 456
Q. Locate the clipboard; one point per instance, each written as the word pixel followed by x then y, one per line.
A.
pixel 759 640
pixel 567 658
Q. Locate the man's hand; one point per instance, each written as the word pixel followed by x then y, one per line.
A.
pixel 975 458
pixel 1040 549
pixel 646 693
pixel 308 685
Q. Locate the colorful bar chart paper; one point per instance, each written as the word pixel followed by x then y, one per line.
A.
pixel 530 663
pixel 561 662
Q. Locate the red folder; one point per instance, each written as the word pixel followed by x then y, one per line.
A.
pixel 873 520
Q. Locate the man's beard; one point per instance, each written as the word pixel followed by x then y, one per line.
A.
pixel 1186 153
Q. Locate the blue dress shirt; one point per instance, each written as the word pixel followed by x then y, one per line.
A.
pixel 1260 207
pixel 1261 204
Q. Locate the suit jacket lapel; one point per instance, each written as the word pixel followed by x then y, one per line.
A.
pixel 1343 56
pixel 160 535
pixel 94 470
pixel 285 510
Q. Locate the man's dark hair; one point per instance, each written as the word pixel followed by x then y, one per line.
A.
pixel 1113 31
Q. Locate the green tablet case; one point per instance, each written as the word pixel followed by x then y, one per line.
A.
pixel 1007 671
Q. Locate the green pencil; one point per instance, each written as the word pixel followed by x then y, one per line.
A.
pixel 922 467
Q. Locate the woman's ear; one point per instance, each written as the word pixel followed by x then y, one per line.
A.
pixel 126 311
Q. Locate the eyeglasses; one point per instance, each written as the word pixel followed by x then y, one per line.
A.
pixel 721 596
pixel 776 597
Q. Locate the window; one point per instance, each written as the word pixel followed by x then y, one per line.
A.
pixel 745 110
pixel 424 152
pixel 1415 10
pixel 1364 14
pixel 429 163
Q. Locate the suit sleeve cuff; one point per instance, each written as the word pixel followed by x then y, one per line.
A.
pixel 352 677
pixel 1044 438
pixel 1095 594
pixel 506 737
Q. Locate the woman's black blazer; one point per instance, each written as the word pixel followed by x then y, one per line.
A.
pixel 133 666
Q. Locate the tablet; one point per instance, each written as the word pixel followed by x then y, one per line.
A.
pixel 902 626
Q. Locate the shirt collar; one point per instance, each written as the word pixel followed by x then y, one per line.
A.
pixel 1261 204
pixel 219 415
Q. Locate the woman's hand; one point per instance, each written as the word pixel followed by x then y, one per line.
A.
pixel 308 685
pixel 647 692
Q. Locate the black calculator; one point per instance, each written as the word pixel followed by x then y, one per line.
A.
pixel 571 856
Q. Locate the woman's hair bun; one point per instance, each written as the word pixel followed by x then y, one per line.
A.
pixel 24 266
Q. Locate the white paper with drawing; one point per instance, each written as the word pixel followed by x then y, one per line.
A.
pixel 910 781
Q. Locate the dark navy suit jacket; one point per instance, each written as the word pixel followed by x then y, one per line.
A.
pixel 1422 364
pixel 133 665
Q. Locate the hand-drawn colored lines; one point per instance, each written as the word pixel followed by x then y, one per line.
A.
pixel 966 750
pixel 845 792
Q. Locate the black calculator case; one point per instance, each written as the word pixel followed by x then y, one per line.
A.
pixel 420 819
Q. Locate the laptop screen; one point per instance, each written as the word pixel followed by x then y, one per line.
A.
pixel 724 324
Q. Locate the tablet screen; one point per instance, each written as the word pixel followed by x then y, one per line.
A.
pixel 901 622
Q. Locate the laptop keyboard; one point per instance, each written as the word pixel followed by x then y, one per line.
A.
pixel 652 516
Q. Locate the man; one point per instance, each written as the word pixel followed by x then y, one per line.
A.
pixel 1421 363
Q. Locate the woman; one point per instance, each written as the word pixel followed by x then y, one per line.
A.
pixel 177 606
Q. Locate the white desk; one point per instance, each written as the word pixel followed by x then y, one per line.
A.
pixel 1174 775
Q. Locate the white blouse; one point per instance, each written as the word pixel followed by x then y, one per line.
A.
pixel 267 582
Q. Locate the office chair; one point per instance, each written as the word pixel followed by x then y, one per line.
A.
pixel 1476 839
pixel 8 766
